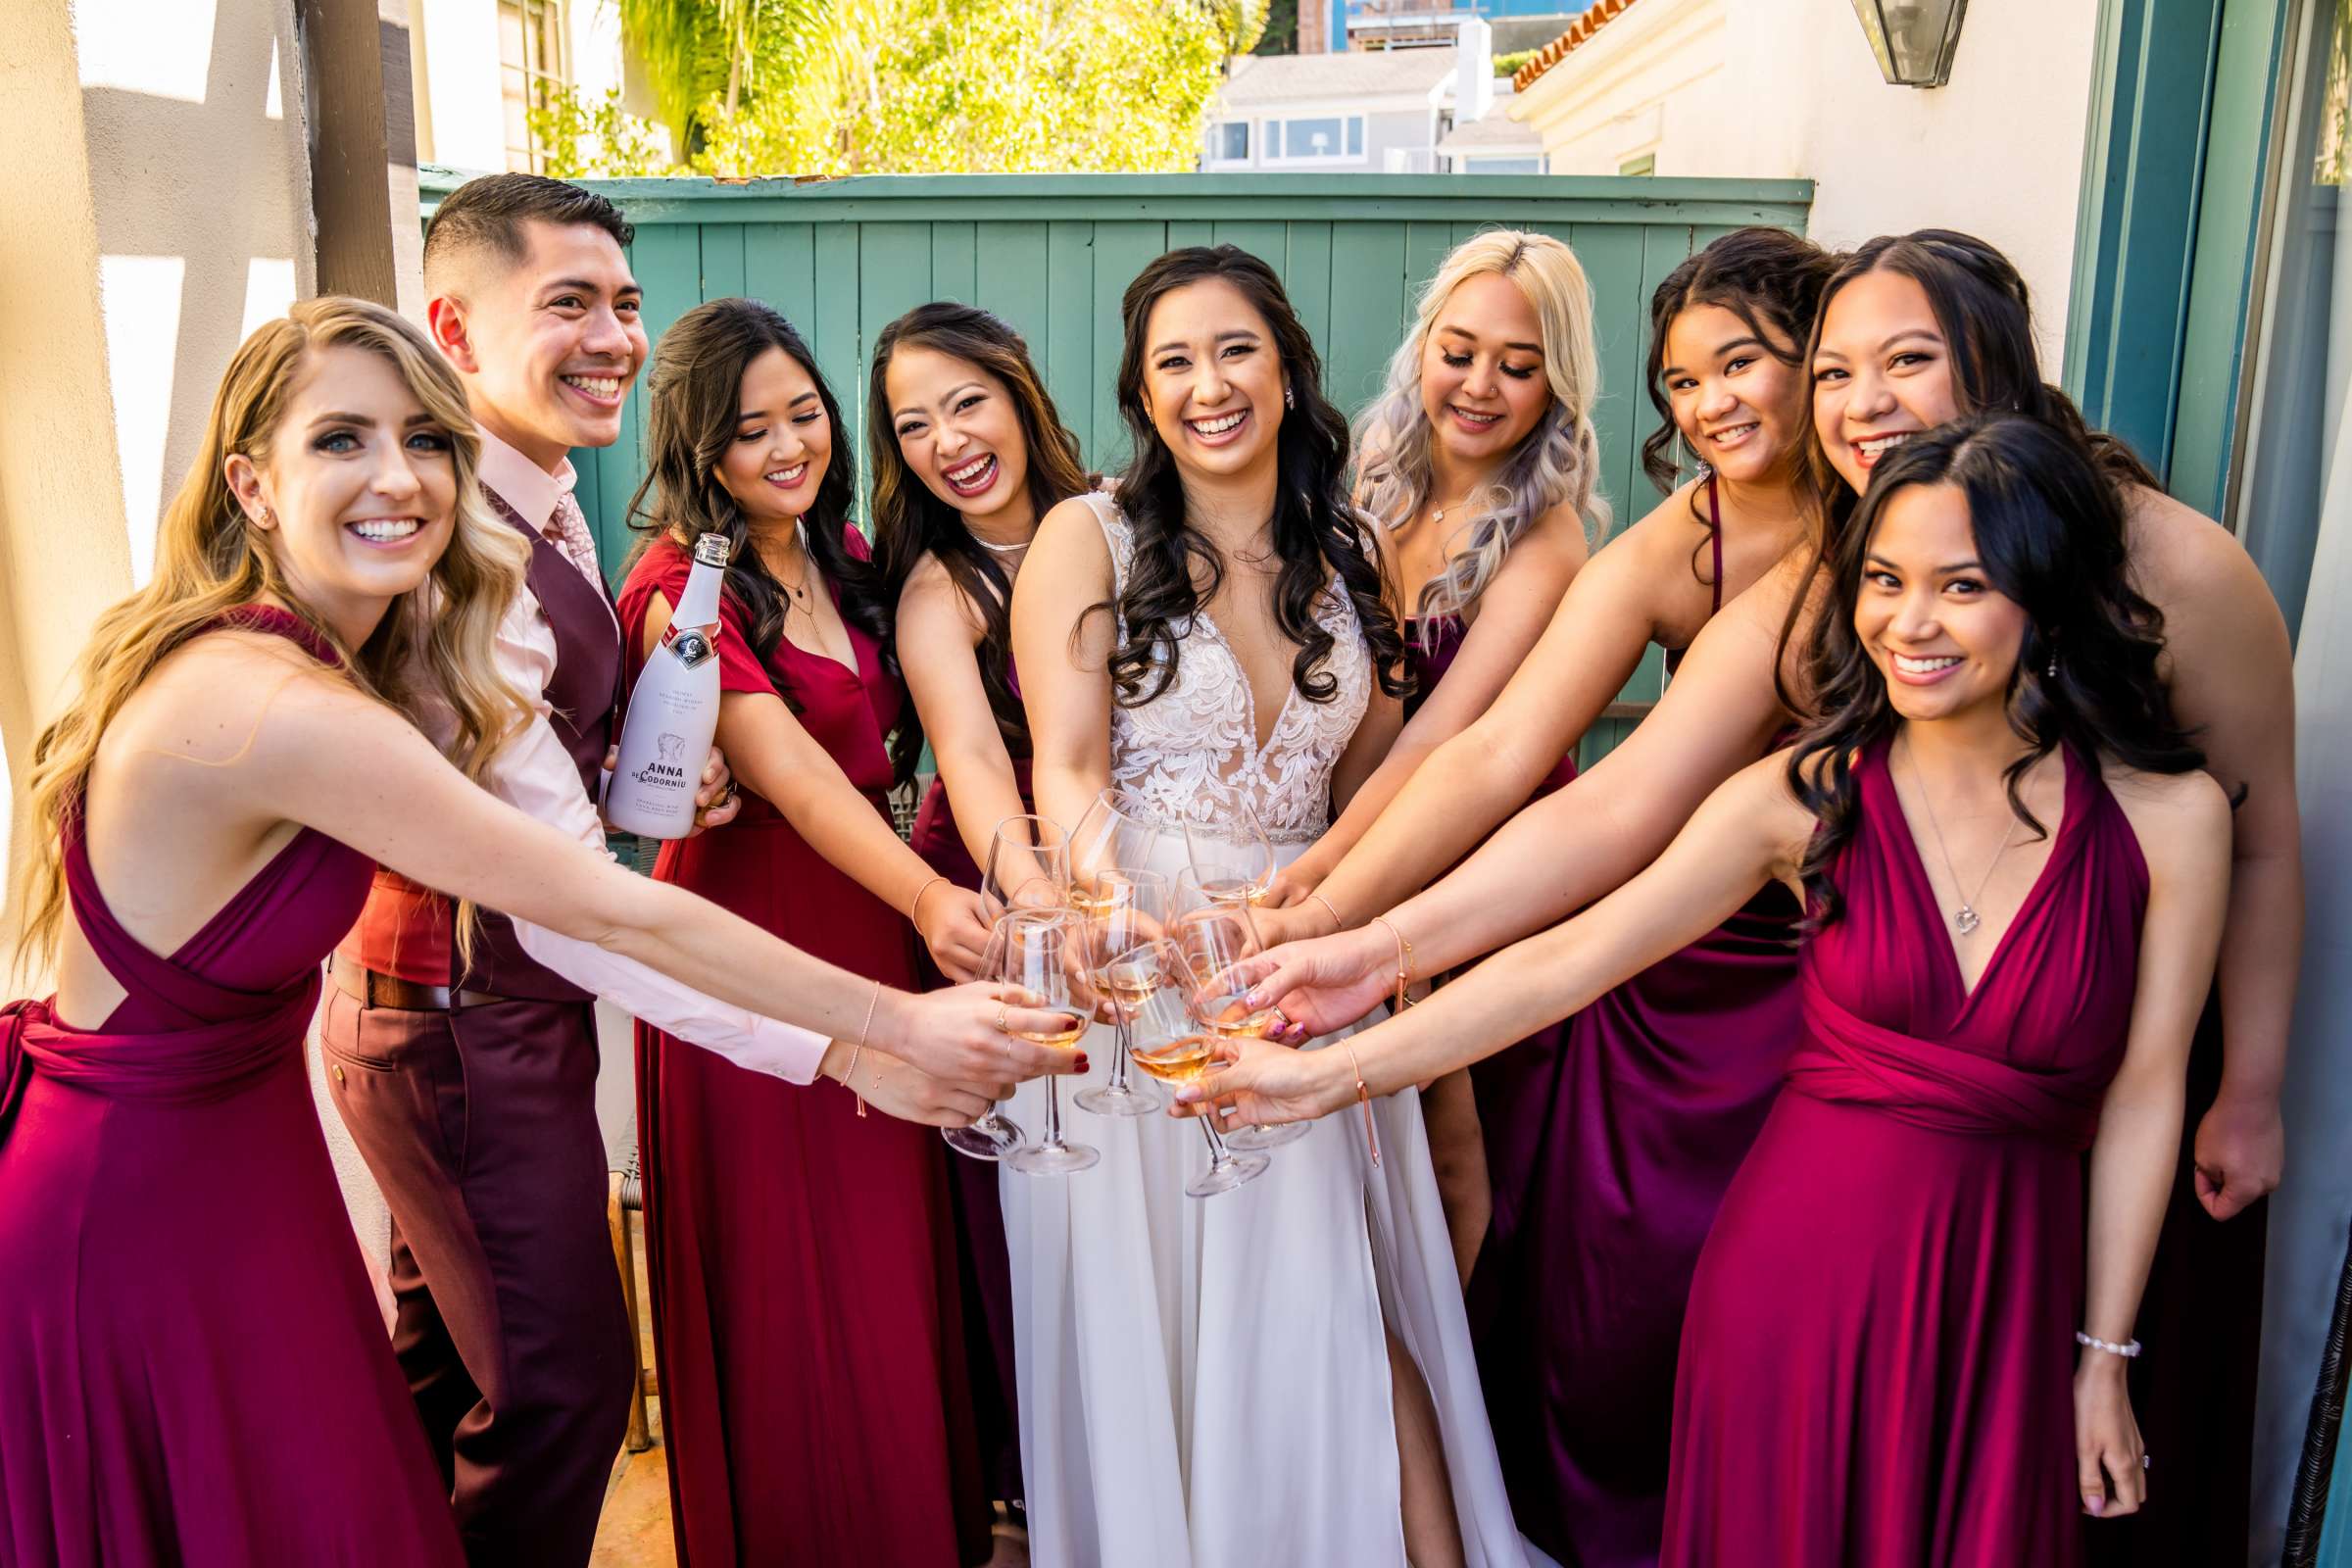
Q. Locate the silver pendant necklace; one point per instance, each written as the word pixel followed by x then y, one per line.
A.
pixel 1965 919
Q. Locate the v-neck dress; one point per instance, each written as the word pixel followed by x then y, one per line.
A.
pixel 1877 1360
pixel 808 1323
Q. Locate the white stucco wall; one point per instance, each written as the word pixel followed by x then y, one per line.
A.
pixel 458 83
pixel 1782 89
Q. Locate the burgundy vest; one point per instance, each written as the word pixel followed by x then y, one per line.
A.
pixel 582 696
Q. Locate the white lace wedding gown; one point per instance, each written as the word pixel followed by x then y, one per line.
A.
pixel 1204 1383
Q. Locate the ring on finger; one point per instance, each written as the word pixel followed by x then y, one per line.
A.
pixel 1001 1012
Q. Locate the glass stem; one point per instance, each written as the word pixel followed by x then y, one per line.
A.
pixel 1118 1051
pixel 1052 1115
pixel 1218 1154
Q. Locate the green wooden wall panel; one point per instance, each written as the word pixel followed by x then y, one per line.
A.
pixel 1011 277
pixel 1368 292
pixel 1121 251
pixel 1267 240
pixel 1308 282
pixel 956 262
pixel 1191 232
pixel 1612 259
pixel 1425 246
pixel 723 273
pixel 1069 327
pixel 832 325
pixel 779 266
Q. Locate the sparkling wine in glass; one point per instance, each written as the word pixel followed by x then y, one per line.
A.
pixel 1171 1046
pixel 1233 859
pixel 995 1135
pixel 1213 935
pixel 1120 910
pixel 1028 866
pixel 1038 960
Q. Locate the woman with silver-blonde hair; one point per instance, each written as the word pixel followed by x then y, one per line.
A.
pixel 1479 458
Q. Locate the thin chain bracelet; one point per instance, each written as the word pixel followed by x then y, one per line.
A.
pixel 2127 1349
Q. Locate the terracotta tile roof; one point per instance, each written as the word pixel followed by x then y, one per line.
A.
pixel 1579 33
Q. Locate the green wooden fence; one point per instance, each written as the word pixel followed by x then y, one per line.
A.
pixel 1051 255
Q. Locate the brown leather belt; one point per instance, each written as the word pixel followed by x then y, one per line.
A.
pixel 370 989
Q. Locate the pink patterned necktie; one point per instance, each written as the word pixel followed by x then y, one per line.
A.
pixel 573 538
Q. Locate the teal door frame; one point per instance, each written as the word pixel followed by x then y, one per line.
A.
pixel 2169 241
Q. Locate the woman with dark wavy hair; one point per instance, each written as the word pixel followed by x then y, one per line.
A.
pixel 1906 1339
pixel 969 453
pixel 808 1319
pixel 1284 1374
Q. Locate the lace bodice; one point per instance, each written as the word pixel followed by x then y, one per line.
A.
pixel 1191 752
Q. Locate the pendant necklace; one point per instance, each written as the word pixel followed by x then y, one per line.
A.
pixel 1966 918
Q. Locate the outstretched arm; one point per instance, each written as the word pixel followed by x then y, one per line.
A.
pixel 1513 614
pixel 1750 830
pixel 1062 652
pixel 1572 847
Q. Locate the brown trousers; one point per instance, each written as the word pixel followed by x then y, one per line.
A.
pixel 480 1127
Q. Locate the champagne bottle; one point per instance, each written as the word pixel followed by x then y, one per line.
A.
pixel 673 712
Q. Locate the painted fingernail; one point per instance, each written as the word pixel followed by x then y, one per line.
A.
pixel 1082 1062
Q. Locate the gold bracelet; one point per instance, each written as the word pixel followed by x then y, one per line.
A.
pixel 1363 1097
pixel 846 1079
pixel 1336 924
pixel 1405 959
pixel 914 911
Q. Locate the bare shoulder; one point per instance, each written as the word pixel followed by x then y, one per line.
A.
pixel 2183 821
pixel 2178 552
pixel 1766 788
pixel 1556 538
pixel 219 695
pixel 931 600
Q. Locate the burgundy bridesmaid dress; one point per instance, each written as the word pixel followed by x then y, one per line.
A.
pixel 1632 1130
pixel 1877 1365
pixel 807 1326
pixel 193 1368
pixel 1509 1085
pixel 981 1257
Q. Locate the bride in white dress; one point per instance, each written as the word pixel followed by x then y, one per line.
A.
pixel 1282 1373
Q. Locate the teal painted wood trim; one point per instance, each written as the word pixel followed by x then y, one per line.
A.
pixel 2152 88
pixel 2175 164
pixel 2222 284
pixel 1477 199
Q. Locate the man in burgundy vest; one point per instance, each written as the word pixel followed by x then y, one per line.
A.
pixel 469 1084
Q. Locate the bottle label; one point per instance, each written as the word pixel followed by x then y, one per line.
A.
pixel 667 767
pixel 692 648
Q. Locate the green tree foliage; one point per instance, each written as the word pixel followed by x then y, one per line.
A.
pixel 931 86
pixel 596 139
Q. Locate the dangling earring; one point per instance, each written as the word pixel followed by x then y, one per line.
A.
pixel 2052 671
pixel 1683 448
pixel 1287 399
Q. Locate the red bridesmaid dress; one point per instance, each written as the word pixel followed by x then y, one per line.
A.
pixel 806 1325
pixel 193 1368
pixel 1877 1361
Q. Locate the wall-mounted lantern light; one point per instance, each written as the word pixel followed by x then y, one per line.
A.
pixel 1913 39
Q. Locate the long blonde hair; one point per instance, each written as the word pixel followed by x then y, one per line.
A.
pixel 1558 461
pixel 209 560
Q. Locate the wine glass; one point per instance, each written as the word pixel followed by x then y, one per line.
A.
pixel 1120 911
pixel 1028 866
pixel 1171 1044
pixel 1038 959
pixel 1234 859
pixel 995 1135
pixel 1118 828
pixel 1212 935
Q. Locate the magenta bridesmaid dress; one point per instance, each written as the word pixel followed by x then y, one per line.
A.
pixel 1878 1364
pixel 193 1369
pixel 1622 1139
pixel 1510 1087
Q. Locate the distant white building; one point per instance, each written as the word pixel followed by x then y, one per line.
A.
pixel 475 67
pixel 1405 110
